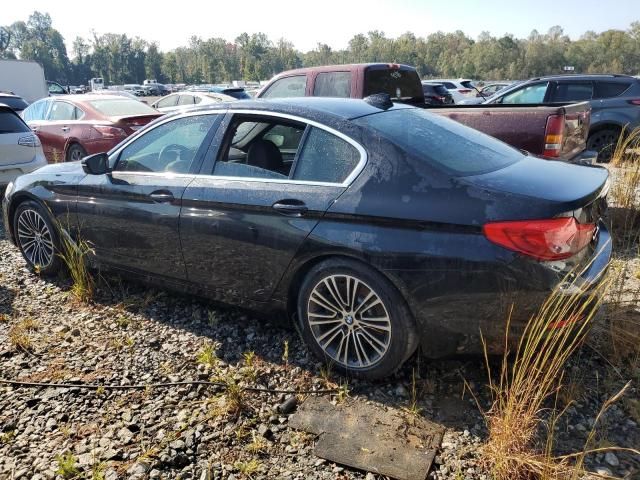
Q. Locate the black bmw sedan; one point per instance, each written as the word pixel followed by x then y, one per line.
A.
pixel 377 227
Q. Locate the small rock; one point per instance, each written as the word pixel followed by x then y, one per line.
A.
pixel 611 459
pixel 288 405
pixel 604 471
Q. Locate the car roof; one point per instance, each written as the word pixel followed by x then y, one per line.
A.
pixel 313 108
pixel 346 67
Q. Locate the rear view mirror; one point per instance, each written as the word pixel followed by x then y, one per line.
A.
pixel 97 164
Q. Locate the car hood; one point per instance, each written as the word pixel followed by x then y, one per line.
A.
pixel 555 181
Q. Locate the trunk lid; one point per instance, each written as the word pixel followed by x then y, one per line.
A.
pixel 568 187
pixel 133 123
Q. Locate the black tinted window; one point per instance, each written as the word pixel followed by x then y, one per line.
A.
pixel 449 85
pixel 400 84
pixel 15 103
pixel 287 87
pixel 333 84
pixel 572 91
pixel 326 158
pixel 11 123
pixel 459 149
pixel 610 89
pixel 239 94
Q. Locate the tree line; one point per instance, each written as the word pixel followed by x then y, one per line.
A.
pixel 120 59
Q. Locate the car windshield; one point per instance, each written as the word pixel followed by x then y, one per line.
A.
pixel 460 150
pixel 116 107
pixel 398 84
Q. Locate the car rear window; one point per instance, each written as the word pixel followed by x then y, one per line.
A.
pixel 441 90
pixel 467 84
pixel 11 123
pixel 610 89
pixel 16 103
pixel 458 149
pixel 237 93
pixel 398 84
pixel 115 107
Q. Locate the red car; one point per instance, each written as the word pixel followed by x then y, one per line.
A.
pixel 72 127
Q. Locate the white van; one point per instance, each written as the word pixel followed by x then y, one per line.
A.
pixel 23 78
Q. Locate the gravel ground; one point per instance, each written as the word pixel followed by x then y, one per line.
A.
pixel 132 334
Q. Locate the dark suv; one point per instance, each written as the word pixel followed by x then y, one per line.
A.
pixel 436 94
pixel 615 103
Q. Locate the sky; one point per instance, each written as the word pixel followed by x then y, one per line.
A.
pixel 307 22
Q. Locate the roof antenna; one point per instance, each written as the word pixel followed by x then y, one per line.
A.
pixel 379 100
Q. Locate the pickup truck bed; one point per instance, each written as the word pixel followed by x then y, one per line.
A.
pixel 533 128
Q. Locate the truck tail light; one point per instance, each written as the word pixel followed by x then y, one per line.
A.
pixel 552 239
pixel 464 91
pixel 106 131
pixel 553 136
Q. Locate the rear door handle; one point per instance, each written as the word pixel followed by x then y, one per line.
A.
pixel 294 208
pixel 162 196
pixel 65 129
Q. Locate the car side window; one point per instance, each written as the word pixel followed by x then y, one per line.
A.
pixel 449 85
pixel 36 111
pixel 572 91
pixel 325 157
pixel 259 148
pixel 62 111
pixel 170 147
pixel 528 94
pixel 610 89
pixel 186 100
pixel 294 86
pixel 169 101
pixel 333 84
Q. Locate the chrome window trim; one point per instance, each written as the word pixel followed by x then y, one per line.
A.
pixel 347 182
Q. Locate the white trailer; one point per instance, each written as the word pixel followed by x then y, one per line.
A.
pixel 24 78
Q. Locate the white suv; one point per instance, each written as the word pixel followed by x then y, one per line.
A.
pixel 20 149
pixel 459 88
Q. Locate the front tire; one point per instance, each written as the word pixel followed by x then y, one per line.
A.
pixel 353 318
pixel 37 237
pixel 604 142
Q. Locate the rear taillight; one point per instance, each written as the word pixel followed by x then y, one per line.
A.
pixel 29 141
pixel 635 101
pixel 553 239
pixel 464 90
pixel 553 136
pixel 110 132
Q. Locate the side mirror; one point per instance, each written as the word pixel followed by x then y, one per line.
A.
pixel 97 164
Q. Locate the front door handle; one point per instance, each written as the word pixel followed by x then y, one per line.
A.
pixel 65 129
pixel 294 208
pixel 162 196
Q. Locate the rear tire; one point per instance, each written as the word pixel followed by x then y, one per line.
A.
pixel 354 319
pixel 604 142
pixel 37 238
pixel 75 152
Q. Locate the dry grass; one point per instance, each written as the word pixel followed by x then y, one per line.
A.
pixel 529 380
pixel 75 254
pixel 20 334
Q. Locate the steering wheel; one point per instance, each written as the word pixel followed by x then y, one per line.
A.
pixel 178 151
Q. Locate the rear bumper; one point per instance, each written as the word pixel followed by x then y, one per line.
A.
pixel 587 157
pixel 458 324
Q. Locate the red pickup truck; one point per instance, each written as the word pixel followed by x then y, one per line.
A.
pixel 556 131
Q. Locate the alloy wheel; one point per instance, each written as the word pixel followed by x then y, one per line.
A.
pixel 35 238
pixel 349 321
pixel 75 155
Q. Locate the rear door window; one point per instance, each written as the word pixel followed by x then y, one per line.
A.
pixel 62 111
pixel 333 84
pixel 572 91
pixel 529 94
pixel 11 123
pixel 294 86
pixel 610 89
pixel 325 157
pixel 186 100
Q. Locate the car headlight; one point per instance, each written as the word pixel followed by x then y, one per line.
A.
pixel 8 190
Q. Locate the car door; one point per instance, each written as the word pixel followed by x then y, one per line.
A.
pixel 60 125
pixel 35 115
pixel 245 216
pixel 131 214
